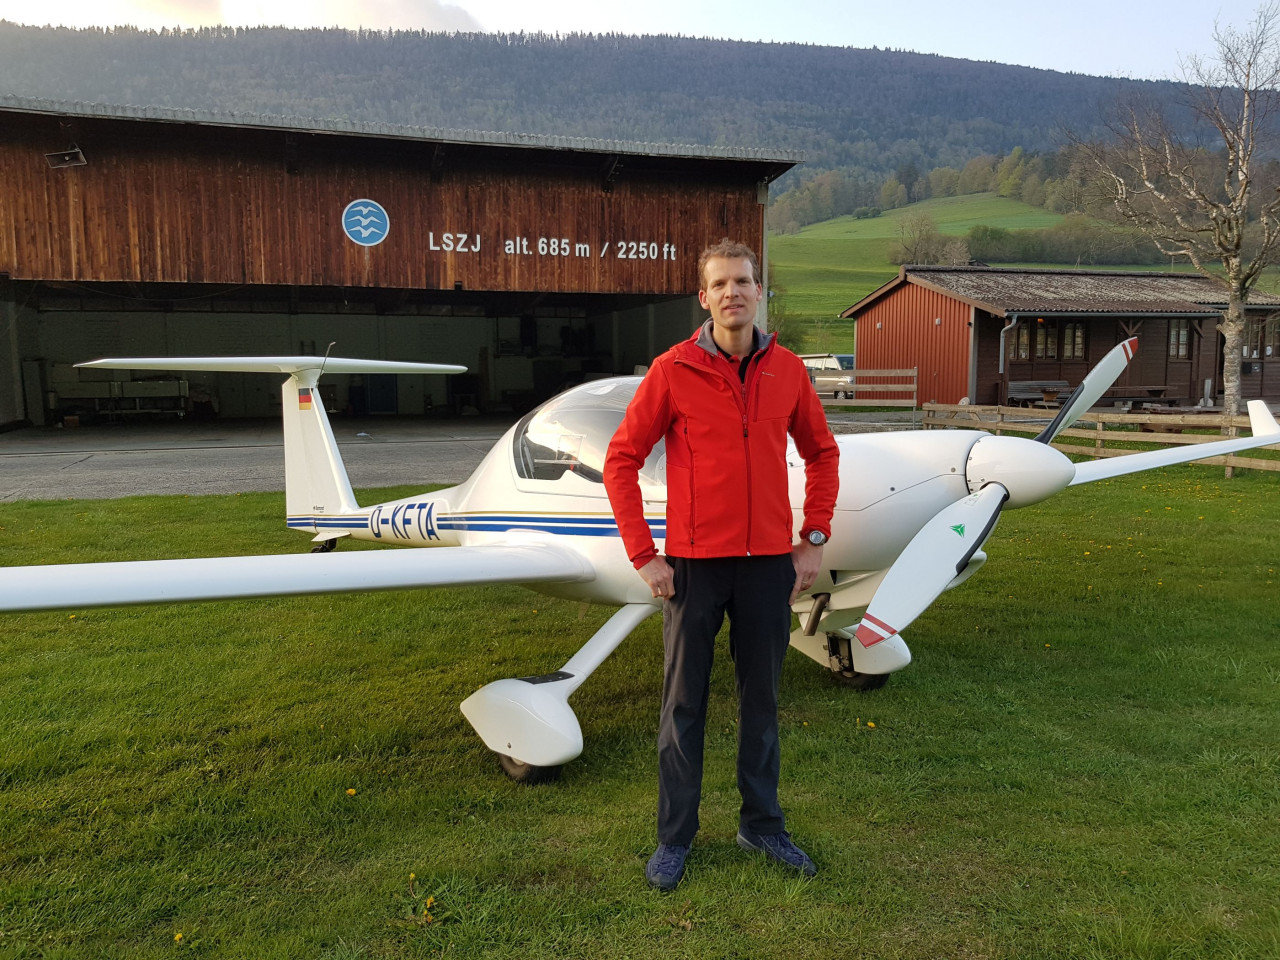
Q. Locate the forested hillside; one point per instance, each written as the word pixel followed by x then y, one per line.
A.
pixel 859 110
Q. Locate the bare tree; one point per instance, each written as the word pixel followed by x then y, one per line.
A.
pixel 1207 203
pixel 918 240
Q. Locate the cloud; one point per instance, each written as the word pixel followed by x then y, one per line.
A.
pixel 351 14
pixel 153 14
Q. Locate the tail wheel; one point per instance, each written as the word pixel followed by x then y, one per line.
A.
pixel 522 772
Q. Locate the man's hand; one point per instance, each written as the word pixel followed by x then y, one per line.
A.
pixel 657 573
pixel 807 559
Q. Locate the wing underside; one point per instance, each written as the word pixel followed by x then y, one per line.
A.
pixel 77 585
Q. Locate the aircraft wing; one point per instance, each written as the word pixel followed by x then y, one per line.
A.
pixel 76 585
pixel 1265 432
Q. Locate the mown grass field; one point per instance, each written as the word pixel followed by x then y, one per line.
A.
pixel 828 266
pixel 1083 761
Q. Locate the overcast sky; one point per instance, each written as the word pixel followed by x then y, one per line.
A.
pixel 1104 37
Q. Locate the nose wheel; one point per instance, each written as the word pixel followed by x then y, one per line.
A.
pixel 842 666
pixel 528 773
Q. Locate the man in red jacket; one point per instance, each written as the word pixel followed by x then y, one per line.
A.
pixel 724 401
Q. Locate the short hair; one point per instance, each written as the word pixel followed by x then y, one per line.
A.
pixel 727 249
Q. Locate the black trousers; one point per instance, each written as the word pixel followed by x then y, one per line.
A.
pixel 753 591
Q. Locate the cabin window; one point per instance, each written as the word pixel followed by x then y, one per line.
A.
pixel 1073 341
pixel 1046 340
pixel 568 435
pixel 1019 343
pixel 1261 339
pixel 1179 338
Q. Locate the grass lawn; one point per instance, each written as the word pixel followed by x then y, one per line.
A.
pixel 1082 762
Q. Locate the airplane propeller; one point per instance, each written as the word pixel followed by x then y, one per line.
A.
pixel 999 471
pixel 1097 382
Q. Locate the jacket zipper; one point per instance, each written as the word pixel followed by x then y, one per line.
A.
pixel 743 402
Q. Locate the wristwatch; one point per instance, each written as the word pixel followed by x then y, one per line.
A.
pixel 817 537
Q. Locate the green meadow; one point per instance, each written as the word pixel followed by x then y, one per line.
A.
pixel 1082 762
pixel 829 266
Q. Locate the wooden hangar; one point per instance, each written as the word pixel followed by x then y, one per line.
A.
pixel 536 261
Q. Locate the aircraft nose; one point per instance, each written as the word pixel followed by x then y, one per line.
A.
pixel 1029 470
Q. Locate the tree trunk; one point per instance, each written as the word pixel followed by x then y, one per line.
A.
pixel 1232 327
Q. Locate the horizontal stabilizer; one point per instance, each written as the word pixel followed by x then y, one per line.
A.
pixel 78 585
pixel 271 365
pixel 1265 433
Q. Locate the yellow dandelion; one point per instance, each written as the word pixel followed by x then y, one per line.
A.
pixel 431 901
pixel 870 725
pixel 72 617
pixel 177 938
pixel 806 723
pixel 413 876
pixel 351 791
pixel 1046 646
pixel 1086 553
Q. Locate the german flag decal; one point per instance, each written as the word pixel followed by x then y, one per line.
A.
pixel 304 398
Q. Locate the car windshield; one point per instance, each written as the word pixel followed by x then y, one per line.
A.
pixel 846 362
pixel 570 433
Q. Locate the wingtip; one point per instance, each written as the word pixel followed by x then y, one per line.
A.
pixel 1261 420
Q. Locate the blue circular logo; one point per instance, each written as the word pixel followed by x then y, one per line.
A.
pixel 365 222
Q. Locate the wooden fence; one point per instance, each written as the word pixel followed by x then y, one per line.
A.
pixel 1105 430
pixel 901 384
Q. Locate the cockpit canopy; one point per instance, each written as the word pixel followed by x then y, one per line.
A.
pixel 570 433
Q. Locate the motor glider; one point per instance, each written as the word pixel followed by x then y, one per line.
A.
pixel 913 513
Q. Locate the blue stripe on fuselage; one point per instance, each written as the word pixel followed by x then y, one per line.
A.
pixel 496 523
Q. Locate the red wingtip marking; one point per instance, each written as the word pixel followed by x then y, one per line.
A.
pixel 1130 348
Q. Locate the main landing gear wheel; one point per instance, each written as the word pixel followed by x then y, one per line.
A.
pixel 328 546
pixel 861 681
pixel 522 772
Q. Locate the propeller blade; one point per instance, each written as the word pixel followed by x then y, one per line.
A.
pixel 933 558
pixel 1097 382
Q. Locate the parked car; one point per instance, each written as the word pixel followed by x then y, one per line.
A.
pixel 831 373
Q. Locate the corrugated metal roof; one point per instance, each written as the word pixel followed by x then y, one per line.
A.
pixel 107 111
pixel 1003 291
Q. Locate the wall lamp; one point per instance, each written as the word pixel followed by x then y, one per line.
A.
pixel 73 156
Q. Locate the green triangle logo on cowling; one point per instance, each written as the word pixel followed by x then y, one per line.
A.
pixel 959 528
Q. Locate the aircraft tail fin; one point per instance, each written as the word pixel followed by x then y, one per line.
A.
pixel 315 478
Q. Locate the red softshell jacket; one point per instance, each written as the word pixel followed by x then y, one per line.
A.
pixel 726 452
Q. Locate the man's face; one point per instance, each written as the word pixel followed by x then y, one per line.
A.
pixel 730 292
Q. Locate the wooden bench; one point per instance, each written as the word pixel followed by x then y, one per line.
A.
pixel 1132 394
pixel 1023 393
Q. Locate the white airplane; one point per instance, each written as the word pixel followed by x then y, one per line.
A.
pixel 913 513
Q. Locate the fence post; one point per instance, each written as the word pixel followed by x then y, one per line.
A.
pixel 1097 444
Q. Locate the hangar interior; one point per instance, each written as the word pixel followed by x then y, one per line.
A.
pixel 518 350
pixel 535 261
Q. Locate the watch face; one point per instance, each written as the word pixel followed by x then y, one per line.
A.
pixel 817 538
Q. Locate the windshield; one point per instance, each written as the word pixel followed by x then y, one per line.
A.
pixel 570 433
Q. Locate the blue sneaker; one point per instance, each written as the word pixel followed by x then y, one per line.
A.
pixel 666 866
pixel 778 846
